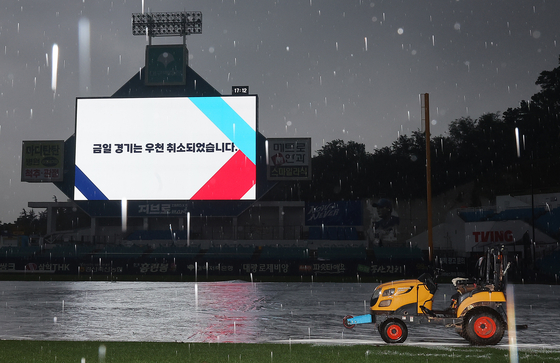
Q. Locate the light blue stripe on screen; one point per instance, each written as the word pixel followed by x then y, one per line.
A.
pixel 230 123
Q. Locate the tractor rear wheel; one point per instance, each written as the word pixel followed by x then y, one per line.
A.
pixel 393 331
pixel 483 327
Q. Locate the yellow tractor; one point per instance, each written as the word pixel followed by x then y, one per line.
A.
pixel 477 311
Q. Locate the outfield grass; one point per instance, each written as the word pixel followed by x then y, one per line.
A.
pixel 15 351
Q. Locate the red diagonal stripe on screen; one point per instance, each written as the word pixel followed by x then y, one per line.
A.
pixel 231 182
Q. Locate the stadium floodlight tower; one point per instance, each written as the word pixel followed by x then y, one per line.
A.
pixel 167 24
pixel 165 64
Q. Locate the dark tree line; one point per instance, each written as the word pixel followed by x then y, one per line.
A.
pixel 485 151
pixel 28 223
pixel 31 223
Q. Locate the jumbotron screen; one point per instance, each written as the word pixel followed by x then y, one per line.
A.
pixel 176 148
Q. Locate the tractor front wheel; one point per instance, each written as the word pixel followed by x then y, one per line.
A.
pixel 483 327
pixel 393 331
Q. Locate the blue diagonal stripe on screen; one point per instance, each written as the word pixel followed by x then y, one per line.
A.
pixel 87 187
pixel 230 123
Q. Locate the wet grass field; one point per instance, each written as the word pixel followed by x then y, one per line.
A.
pixel 164 352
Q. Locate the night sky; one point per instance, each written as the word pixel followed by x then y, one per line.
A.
pixel 325 69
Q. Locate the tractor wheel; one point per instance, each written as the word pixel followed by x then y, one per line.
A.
pixel 483 327
pixel 393 331
pixel 345 322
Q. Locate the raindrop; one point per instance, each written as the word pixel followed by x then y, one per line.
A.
pixel 102 352
pixel 84 54
pixel 196 296
pixel 54 74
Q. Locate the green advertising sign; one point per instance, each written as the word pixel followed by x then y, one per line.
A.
pixel 42 161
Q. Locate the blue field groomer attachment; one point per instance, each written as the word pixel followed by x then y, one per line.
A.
pixel 350 321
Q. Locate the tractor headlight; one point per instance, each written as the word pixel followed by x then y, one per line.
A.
pixel 385 303
pixel 375 297
pixel 389 292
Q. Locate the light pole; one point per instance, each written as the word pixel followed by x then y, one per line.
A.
pixel 425 103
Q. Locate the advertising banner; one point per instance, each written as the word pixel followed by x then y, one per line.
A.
pixel 42 161
pixel 180 148
pixel 482 234
pixel 288 159
pixel 343 213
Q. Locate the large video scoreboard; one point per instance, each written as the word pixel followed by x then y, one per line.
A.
pixel 168 148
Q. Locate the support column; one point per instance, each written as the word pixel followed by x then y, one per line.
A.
pixel 51 220
pixel 93 229
pixel 281 222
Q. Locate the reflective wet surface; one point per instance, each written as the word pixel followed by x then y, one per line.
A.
pixel 234 312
